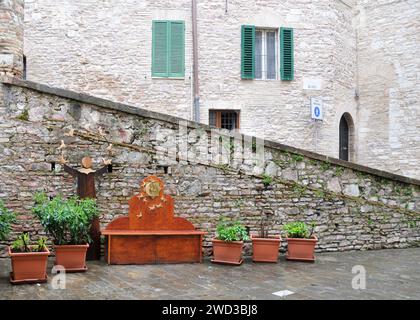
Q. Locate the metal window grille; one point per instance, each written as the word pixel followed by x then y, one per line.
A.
pixel 224 119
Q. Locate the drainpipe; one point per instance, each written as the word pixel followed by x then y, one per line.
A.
pixel 195 61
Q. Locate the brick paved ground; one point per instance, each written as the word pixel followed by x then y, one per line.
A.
pixel 391 274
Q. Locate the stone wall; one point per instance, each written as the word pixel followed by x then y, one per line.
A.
pixel 389 86
pixel 353 207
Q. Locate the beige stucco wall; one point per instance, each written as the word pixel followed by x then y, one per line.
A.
pixel 389 84
pixel 104 48
pixel 280 110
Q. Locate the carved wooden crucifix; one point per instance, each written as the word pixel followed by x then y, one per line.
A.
pixel 86 189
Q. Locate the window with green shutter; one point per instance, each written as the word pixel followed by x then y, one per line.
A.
pixel 286 54
pixel 168 49
pixel 247 50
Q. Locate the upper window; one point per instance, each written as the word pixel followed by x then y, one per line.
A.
pixel 266 54
pixel 168 53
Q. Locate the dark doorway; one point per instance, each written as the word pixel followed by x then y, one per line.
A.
pixel 24 67
pixel 344 139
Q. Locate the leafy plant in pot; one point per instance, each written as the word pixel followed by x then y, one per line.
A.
pixel 265 248
pixel 68 222
pixel 29 262
pixel 7 217
pixel 227 247
pixel 300 241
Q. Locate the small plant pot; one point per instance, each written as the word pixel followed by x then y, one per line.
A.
pixel 28 267
pixel 227 252
pixel 71 257
pixel 265 249
pixel 301 249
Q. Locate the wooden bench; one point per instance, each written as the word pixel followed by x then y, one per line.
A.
pixel 151 234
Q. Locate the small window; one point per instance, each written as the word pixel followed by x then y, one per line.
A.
pixel 266 54
pixel 224 119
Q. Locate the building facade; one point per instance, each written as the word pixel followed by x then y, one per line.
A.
pixel 357 58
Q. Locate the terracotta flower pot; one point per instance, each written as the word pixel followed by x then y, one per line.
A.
pixel 301 249
pixel 227 252
pixel 28 267
pixel 71 257
pixel 265 249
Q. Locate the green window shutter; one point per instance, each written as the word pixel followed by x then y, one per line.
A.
pixel 176 49
pixel 247 50
pixel 160 49
pixel 286 54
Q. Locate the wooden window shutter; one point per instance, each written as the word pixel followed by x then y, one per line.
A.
pixel 160 49
pixel 176 49
pixel 248 55
pixel 286 54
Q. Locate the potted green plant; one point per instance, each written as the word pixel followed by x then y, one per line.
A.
pixel 300 241
pixel 265 248
pixel 68 222
pixel 29 262
pixel 7 217
pixel 227 247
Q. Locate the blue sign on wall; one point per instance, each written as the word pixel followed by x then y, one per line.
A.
pixel 316 108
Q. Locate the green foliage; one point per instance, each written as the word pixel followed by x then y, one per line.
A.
pixel 297 157
pixel 403 190
pixel 22 244
pixel 411 222
pixel 24 115
pixel 398 189
pixel 41 244
pixel 408 192
pixel 319 193
pixel 360 175
pixel 67 221
pixel 298 229
pixel 299 190
pixel 254 145
pixel 229 145
pixel 7 217
pixel 325 166
pixel 339 171
pixel 142 131
pixel 313 162
pixel 267 180
pixel 224 167
pixel 280 163
pixel 231 231
pixel 238 203
pixel 384 182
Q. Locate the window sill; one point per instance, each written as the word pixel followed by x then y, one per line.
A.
pixel 169 78
pixel 267 80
